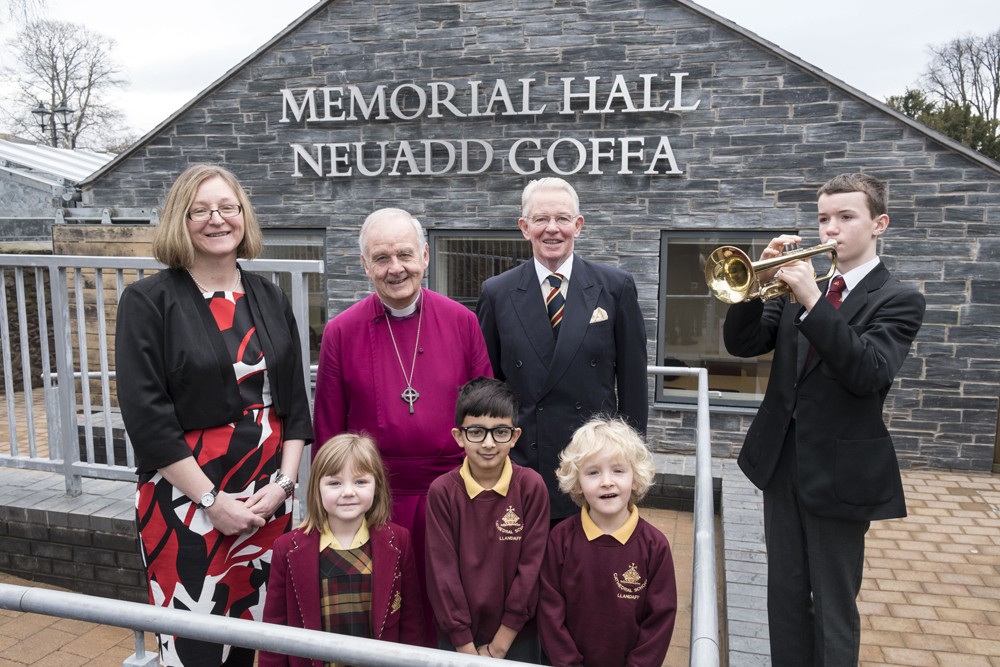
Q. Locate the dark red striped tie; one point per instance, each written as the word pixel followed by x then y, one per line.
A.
pixel 835 295
pixel 554 302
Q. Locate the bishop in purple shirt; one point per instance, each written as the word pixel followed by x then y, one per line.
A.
pixel 391 366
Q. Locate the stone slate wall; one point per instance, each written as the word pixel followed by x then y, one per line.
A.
pixel 21 197
pixel 85 554
pixel 769 130
pixel 17 230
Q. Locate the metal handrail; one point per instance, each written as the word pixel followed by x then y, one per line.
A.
pixel 312 644
pixel 704 652
pixel 73 447
pixel 704 597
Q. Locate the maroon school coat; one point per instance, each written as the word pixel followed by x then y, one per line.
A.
pixel 293 589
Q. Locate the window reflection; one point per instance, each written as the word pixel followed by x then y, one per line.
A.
pixel 691 323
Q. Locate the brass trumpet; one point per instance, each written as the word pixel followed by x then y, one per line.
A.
pixel 732 276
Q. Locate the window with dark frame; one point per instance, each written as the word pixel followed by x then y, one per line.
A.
pixel 462 260
pixel 690 327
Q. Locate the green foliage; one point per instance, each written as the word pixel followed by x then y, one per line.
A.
pixel 960 96
pixel 953 119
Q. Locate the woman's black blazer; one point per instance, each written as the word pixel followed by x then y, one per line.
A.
pixel 174 373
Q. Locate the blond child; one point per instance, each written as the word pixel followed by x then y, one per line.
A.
pixel 608 594
pixel 346 568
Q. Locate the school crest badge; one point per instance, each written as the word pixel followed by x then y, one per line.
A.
pixel 397 602
pixel 630 581
pixel 510 523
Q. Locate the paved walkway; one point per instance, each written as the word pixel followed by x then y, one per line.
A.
pixel 931 594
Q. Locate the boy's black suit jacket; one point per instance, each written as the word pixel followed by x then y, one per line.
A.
pixel 846 462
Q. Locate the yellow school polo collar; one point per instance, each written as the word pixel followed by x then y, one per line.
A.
pixel 592 532
pixel 473 488
pixel 326 538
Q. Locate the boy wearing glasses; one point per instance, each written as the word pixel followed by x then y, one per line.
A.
pixel 487 524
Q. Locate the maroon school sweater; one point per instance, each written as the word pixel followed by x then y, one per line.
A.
pixel 604 603
pixel 484 554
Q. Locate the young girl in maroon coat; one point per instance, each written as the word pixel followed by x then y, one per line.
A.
pixel 608 593
pixel 346 550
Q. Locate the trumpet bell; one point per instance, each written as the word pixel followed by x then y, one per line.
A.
pixel 733 277
pixel 729 274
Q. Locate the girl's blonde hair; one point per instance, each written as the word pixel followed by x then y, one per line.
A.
pixel 614 438
pixel 360 451
pixel 172 243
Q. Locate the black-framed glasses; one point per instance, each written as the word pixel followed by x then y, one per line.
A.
pixel 201 214
pixel 477 434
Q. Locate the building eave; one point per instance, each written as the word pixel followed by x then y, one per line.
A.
pixel 208 90
pixel 850 90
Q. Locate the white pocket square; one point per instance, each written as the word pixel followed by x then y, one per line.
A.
pixel 600 315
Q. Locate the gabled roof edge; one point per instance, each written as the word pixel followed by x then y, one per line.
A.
pixel 940 137
pixel 308 14
pixel 932 134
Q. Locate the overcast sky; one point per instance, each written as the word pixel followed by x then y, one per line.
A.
pixel 173 51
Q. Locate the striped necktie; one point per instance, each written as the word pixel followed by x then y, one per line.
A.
pixel 554 302
pixel 836 292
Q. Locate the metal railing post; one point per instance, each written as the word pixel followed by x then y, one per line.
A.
pixel 704 596
pixel 66 437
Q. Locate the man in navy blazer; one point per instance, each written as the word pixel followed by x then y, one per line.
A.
pixel 587 357
pixel 818 447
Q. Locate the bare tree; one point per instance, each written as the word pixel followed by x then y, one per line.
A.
pixel 64 65
pixel 22 10
pixel 965 73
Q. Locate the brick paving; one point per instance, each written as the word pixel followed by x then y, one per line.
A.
pixel 931 594
pixel 40 640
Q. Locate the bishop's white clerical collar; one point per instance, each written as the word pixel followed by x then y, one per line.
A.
pixel 403 312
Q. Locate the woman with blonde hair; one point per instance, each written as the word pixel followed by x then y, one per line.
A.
pixel 214 400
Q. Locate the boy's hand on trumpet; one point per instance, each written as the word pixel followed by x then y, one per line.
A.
pixel 775 248
pixel 801 278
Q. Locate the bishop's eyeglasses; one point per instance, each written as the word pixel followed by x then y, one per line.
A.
pixel 477 434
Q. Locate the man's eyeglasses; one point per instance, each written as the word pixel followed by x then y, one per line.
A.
pixel 561 220
pixel 477 434
pixel 205 214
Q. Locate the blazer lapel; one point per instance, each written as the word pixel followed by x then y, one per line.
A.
pixel 581 301
pixel 185 282
pixel 529 306
pixel 858 298
pixel 385 566
pixel 303 565
pixel 852 305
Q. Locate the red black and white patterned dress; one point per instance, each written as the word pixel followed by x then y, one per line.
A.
pixel 189 564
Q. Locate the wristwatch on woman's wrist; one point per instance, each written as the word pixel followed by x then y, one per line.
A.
pixel 208 499
pixel 285 482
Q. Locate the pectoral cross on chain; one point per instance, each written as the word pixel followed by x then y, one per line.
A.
pixel 410 395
